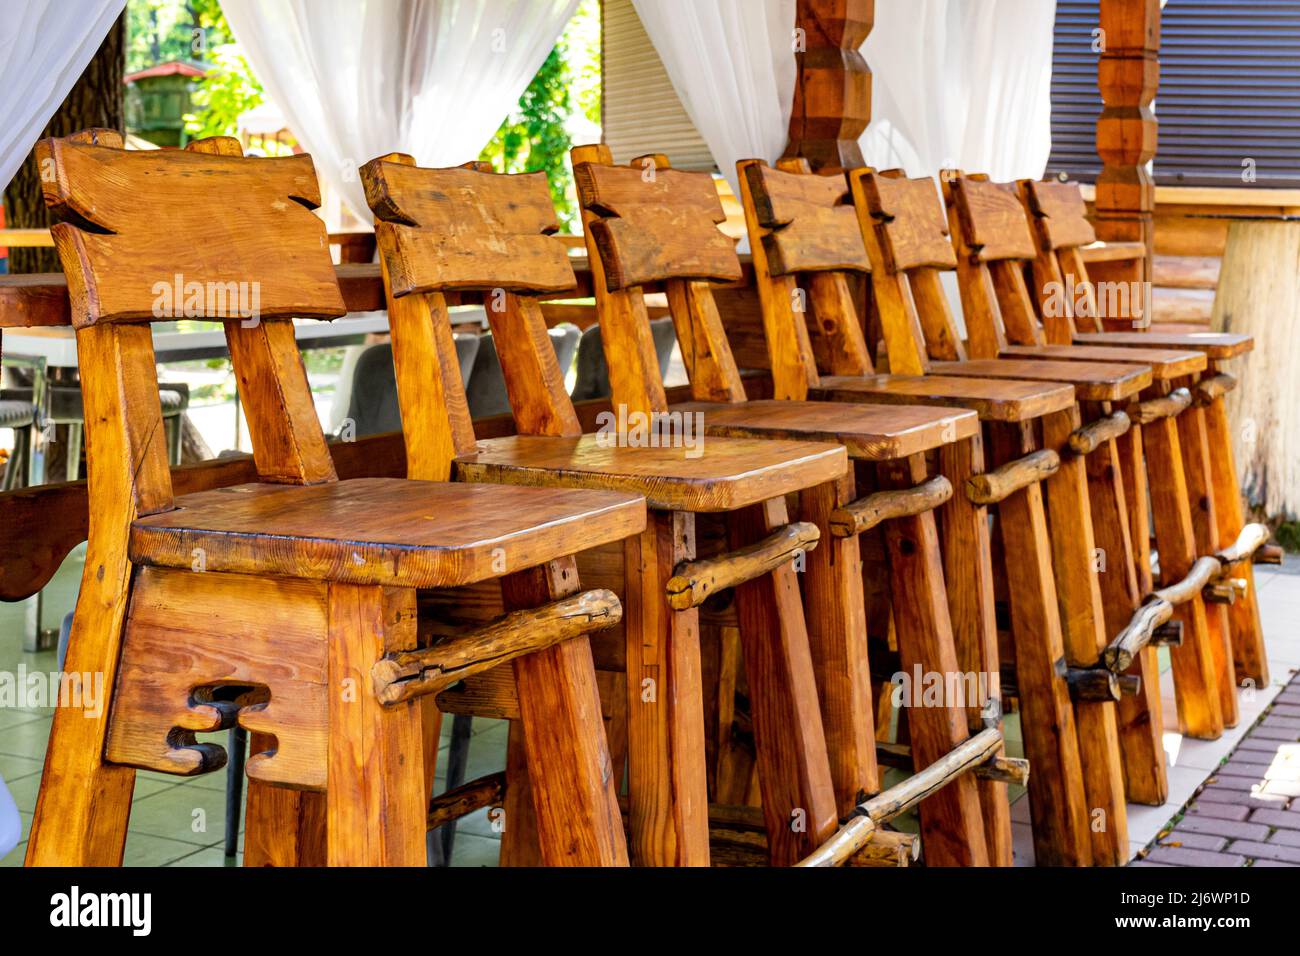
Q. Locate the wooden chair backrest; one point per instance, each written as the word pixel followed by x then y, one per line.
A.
pixel 649 223
pixel 906 235
pixel 993 243
pixel 799 223
pixel 1058 217
pixel 467 228
pixel 195 233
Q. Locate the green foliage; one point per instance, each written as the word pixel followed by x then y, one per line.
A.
pixel 535 137
pixel 1287 534
pixel 159 31
pixel 228 90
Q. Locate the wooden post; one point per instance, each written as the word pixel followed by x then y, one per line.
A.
pixel 1127 74
pixel 832 94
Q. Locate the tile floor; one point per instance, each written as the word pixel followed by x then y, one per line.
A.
pixel 181 822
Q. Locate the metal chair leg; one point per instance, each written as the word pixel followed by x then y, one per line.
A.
pixel 462 726
pixel 238 746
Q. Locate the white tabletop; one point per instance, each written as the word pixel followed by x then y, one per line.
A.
pixel 58 346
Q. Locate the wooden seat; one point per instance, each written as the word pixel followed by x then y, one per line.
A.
pixel 382 531
pixel 1166 364
pixel 288 607
pixel 1092 381
pixel 728 474
pixel 1003 401
pixel 1218 346
pixel 871 433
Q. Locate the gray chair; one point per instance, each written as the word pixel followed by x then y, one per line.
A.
pixel 368 385
pixel 487 386
pixel 593 372
pixel 21 417
pixel 65 407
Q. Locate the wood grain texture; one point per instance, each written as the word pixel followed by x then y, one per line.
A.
pixel 868 432
pixel 1216 345
pixel 1166 364
pixel 731 473
pixel 908 219
pixel 809 221
pixel 129 206
pixel 1060 213
pixel 992 220
pixel 990 400
pixel 381 531
pixel 375 793
pixel 654 224
pixel 1092 381
pixel 464 228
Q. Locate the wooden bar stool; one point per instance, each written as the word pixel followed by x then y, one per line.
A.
pixel 441 231
pixel 647 223
pixel 788 204
pixel 287 606
pixel 993 245
pixel 1058 218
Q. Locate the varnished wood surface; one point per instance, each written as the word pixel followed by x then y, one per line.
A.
pixel 811 220
pixel 1216 345
pixel 1010 401
pixel 730 473
pixel 382 531
pixel 1092 381
pixel 1166 364
pixel 873 432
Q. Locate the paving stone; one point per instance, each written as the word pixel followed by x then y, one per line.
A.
pixel 1284 723
pixel 1222 811
pixel 1244 768
pixel 1181 856
pixel 1193 841
pixel 1225 828
pixel 1274 863
pixel 1165 865
pixel 1266 851
pixel 1285 819
pixel 1265 732
pixel 1284 710
pixel 1216 794
pixel 1286 837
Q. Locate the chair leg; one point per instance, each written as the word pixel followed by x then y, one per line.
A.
pixel 375 801
pixel 520 843
pixel 968 575
pixel 282 827
pixel 794 770
pixel 84 803
pixel 237 745
pixel 462 727
pixel 569 769
pixel 668 821
pixel 1194 440
pixel 1056 795
pixel 1140 718
pixel 1078 593
pixel 837 637
pixel 72 466
pixel 1250 662
pixel 952 830
pixel 1195 686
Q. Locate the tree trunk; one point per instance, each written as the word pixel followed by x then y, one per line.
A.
pixel 97 99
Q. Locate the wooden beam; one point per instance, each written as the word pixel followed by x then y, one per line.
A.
pixel 1128 72
pixel 832 94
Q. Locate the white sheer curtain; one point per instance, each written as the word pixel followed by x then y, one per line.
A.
pixel 359 78
pixel 44 46
pixel 732 65
pixel 961 83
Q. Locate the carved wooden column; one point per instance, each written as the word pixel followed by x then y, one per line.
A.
pixel 832 94
pixel 1127 74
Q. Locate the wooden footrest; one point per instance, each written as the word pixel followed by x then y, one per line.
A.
pixel 693 581
pixel 1086 440
pixel 869 815
pixel 430 670
pixel 999 484
pixel 489 791
pixel 870 510
pixel 1158 608
pixel 1214 387
pixel 1154 409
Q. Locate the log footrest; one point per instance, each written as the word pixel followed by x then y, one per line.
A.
pixel 1214 387
pixel 430 670
pixel 488 791
pixel 1158 608
pixel 1086 440
pixel 999 484
pixel 693 581
pixel 870 510
pixel 1154 409
pixel 868 816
